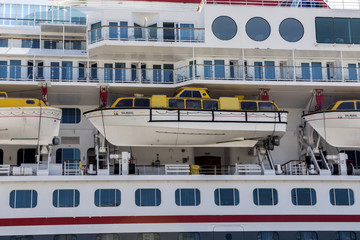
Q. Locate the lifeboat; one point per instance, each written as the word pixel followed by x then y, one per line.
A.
pixel 190 118
pixel 27 121
pixel 339 124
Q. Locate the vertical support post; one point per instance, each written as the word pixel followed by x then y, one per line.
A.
pixel 63 38
pixel 194 65
pixel 342 66
pixel 294 65
pixel 33 69
pixel 243 64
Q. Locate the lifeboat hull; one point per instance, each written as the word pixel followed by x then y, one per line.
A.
pixel 161 127
pixel 339 129
pixel 29 125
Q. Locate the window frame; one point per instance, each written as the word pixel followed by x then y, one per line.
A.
pixel 182 191
pixel 13 198
pixel 139 200
pixel 256 197
pixel 312 196
pixel 217 197
pixel 75 196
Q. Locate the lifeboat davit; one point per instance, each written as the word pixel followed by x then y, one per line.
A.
pixel 191 118
pixel 339 124
pixel 27 121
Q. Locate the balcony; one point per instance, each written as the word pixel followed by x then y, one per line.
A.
pixel 153 34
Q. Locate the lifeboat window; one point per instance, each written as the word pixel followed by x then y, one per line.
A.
pixel 345 236
pixel 196 94
pixel 142 102
pixel 346 106
pixel 193 104
pixel 189 236
pixel 306 236
pixel 176 103
pixel 71 115
pixel 30 102
pixel 128 102
pixel 252 106
pixel 268 236
pixel 148 236
pixel 358 105
pixel 341 197
pixel 186 94
pixel 210 105
pixel 267 106
pixel 265 196
pixel 187 197
pixel 226 197
pixel 23 199
pixel 107 197
pixel 303 196
pixel 147 197
pixel 66 198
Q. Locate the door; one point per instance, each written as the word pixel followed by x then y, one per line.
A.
pixel 258 70
pixel 15 69
pixel 168 72
pixel 187 32
pixel 330 70
pixel 169 31
pixel 316 71
pixel 113 31
pixel 93 72
pixel 55 71
pixel 96 32
pixel 120 72
pixel 156 73
pixel 234 69
pixel 305 71
pixel 208 69
pixel 66 71
pixel 209 164
pixel 30 70
pixel 352 72
pixel 108 72
pixel 81 71
pixel 153 32
pixel 3 69
pixel 138 32
pixel 192 70
pixel 269 70
pixel 124 31
pixel 219 69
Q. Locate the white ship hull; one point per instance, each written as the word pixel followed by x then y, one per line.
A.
pixel 159 127
pixel 29 125
pixel 338 128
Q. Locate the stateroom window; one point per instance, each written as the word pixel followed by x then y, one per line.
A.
pixel 71 115
pixel 251 106
pixel 65 237
pixel 265 196
pixel 21 238
pixel 226 197
pixel 341 197
pixel 128 102
pixel 66 198
pixel 346 106
pixel 268 236
pixel 142 102
pixel 107 236
pixel 267 106
pixel 107 197
pixel 303 196
pixel 176 103
pixel 23 199
pixel 148 236
pixel 193 104
pixel 64 154
pixel 345 236
pixel 189 236
pixel 147 197
pixel 187 197
pixel 306 236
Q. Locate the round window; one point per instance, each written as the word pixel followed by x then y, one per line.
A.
pixel 224 28
pixel 258 29
pixel 291 30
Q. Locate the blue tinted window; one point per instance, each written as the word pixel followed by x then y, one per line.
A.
pixel 63 154
pixel 224 28
pixel 4 43
pixel 268 236
pixel 355 30
pixel 265 196
pixel 258 29
pixel 306 236
pixel 66 198
pixel 15 69
pixel 187 197
pixel 147 197
pixel 345 236
pixel 71 115
pixel 23 199
pixel 226 196
pixel 189 236
pixel 291 30
pixel 324 30
pixel 342 29
pixel 107 198
pixel 303 196
pixel 341 197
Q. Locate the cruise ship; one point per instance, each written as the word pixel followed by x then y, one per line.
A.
pixel 180 119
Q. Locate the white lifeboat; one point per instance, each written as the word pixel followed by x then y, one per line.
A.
pixel 191 118
pixel 27 121
pixel 339 125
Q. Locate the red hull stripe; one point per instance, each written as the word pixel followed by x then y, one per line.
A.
pixel 9 222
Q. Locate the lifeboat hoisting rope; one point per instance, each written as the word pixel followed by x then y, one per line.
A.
pixel 39 128
pixel 103 123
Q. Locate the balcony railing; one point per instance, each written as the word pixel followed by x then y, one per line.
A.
pixel 117 73
pixel 155 34
pixel 43 44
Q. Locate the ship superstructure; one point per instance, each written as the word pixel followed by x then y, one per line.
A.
pixel 112 180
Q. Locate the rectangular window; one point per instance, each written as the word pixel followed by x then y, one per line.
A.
pixel 4 42
pixel 265 196
pixel 306 236
pixel 95 32
pixel 147 197
pixel 15 69
pixel 120 72
pixel 66 198
pixel 269 70
pixel 193 104
pixel 23 199
pixel 124 30
pixel 156 73
pixel 113 31
pixel 63 154
pixel 71 115
pixel 3 69
pixel 316 71
pixel 352 72
pixel 208 69
pixel 55 70
pixel 108 72
pixel 345 236
pixel 258 70
pixel 107 197
pixel 67 71
pixel 219 66
pixel 187 32
pixel 128 102
pixel 248 105
pixel 355 30
pixel 142 102
pixel 210 105
pixel 26 155
pixel 303 196
pixel 268 236
pixel 187 197
pixel 189 236
pixel 324 30
pixel 226 197
pixel 176 103
pixel 305 71
pixel 342 30
pixel 168 73
pixel 341 197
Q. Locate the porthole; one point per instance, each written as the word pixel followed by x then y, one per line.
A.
pixel 291 30
pixel 224 28
pixel 30 102
pixel 258 29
